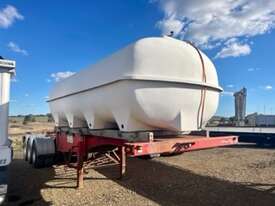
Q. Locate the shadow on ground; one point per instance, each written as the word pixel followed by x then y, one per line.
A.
pixel 25 184
pixel 154 180
pixel 169 185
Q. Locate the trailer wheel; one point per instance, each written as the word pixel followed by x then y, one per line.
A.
pixel 49 161
pixel 37 161
pixel 29 152
pixel 25 151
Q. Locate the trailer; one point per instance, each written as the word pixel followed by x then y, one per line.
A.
pixel 259 135
pixel 7 69
pixel 83 148
pixel 141 101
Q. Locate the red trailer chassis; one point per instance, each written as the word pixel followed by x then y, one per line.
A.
pixel 85 148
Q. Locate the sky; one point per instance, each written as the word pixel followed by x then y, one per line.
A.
pixel 51 40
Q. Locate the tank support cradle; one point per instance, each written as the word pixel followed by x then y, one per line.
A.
pixel 96 151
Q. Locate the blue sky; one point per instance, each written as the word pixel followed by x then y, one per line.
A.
pixel 52 39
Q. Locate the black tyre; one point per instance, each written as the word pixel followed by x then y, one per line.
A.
pixel 29 152
pixel 49 161
pixel 37 161
pixel 25 148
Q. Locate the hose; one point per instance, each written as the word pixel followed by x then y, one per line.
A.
pixel 203 90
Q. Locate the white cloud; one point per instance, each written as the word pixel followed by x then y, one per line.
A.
pixel 211 23
pixel 48 80
pixel 226 93
pixel 253 69
pixel 169 25
pixel 234 49
pixel 268 87
pixel 230 86
pixel 8 16
pixel 61 75
pixel 15 48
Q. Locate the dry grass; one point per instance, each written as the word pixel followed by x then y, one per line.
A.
pixel 18 130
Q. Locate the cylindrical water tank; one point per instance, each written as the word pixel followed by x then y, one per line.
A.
pixel 158 83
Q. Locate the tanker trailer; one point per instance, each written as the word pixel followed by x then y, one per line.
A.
pixel 7 69
pixel 139 102
pixel 158 83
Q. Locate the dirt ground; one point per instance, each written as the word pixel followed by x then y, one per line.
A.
pixel 240 175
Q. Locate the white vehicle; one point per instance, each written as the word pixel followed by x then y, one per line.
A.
pixel 7 69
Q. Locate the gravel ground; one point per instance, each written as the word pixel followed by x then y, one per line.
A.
pixel 240 175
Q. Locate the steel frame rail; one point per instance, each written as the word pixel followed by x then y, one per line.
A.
pixel 117 150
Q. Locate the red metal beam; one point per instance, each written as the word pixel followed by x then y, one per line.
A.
pixel 179 145
pixel 81 144
pixel 70 143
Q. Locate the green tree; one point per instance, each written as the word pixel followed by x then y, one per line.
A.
pixel 50 117
pixel 28 118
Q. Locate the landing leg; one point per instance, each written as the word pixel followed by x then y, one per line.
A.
pixel 80 165
pixel 80 177
pixel 122 162
pixel 80 172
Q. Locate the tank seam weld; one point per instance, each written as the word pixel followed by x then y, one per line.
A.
pixel 139 79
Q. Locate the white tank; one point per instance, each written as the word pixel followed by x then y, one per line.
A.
pixel 153 84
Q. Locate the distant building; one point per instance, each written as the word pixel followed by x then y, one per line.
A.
pixel 214 121
pixel 220 121
pixel 265 120
pixel 240 106
pixel 251 119
pixel 260 120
